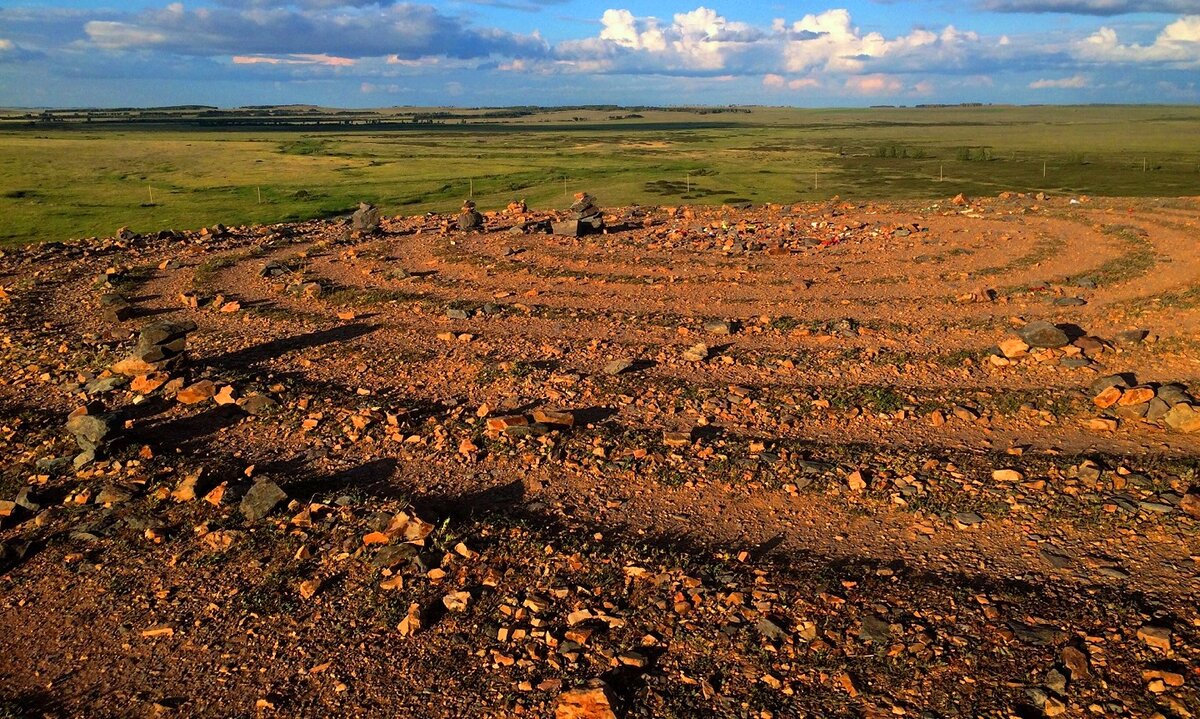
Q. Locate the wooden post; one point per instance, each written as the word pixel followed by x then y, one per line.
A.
pixel 259 194
pixel 941 174
pixel 1043 168
pixel 472 190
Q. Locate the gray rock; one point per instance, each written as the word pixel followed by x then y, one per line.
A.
pixel 1173 394
pixel 365 218
pixel 92 432
pixel 112 494
pixel 457 314
pixel 1070 302
pixel 1112 380
pixel 771 630
pixel 105 384
pixel 1157 410
pixel 258 405
pixel 1132 337
pixel 1043 334
pixel 968 519
pixel 390 555
pixel 115 308
pixel 718 327
pixel 875 630
pixel 261 499
pixel 617 366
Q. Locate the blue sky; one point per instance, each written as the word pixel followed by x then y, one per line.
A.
pixel 374 53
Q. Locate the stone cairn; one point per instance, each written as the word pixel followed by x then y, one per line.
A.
pixel 160 347
pixel 469 220
pixel 365 218
pixel 585 218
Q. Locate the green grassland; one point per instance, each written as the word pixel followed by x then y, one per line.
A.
pixel 70 178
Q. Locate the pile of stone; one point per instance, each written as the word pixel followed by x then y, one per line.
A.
pixel 160 347
pixel 1041 341
pixel 585 218
pixel 1169 405
pixel 469 219
pixel 93 431
pixel 115 308
pixel 365 218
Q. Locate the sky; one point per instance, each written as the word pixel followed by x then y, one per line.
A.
pixel 381 53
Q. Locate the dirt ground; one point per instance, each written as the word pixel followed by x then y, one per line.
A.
pixel 515 485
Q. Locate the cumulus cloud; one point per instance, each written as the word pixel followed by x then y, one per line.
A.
pixel 375 30
pixel 1063 83
pixel 830 41
pixel 1092 7
pixel 1178 44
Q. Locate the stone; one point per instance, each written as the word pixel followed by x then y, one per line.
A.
pixel 1112 380
pixel 115 308
pixel 1090 345
pixel 677 439
pixel 1070 302
pixel 563 419
pixel 1183 418
pixel 258 405
pixel 507 422
pixel 696 353
pixel 718 327
pixel 1108 397
pixel 1157 410
pixel 261 499
pixel 92 432
pixel 196 393
pixel 875 630
pixel 274 268
pixel 1102 424
pixel 1076 662
pixel 1173 394
pixel 365 218
pixel 771 630
pixel 111 494
pixel 105 385
pixel 469 220
pixel 1007 475
pixel 1155 637
pixel 456 314
pixel 1189 503
pixel 1136 395
pixel 1040 333
pixel 592 703
pixel 618 366
pixel 967 519
pixel 1014 348
pixel 1131 337
pixel 160 345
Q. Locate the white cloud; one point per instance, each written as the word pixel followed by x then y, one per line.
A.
pixel 877 84
pixel 5 44
pixel 1063 83
pixel 1178 44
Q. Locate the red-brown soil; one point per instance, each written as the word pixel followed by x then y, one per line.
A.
pixel 826 539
